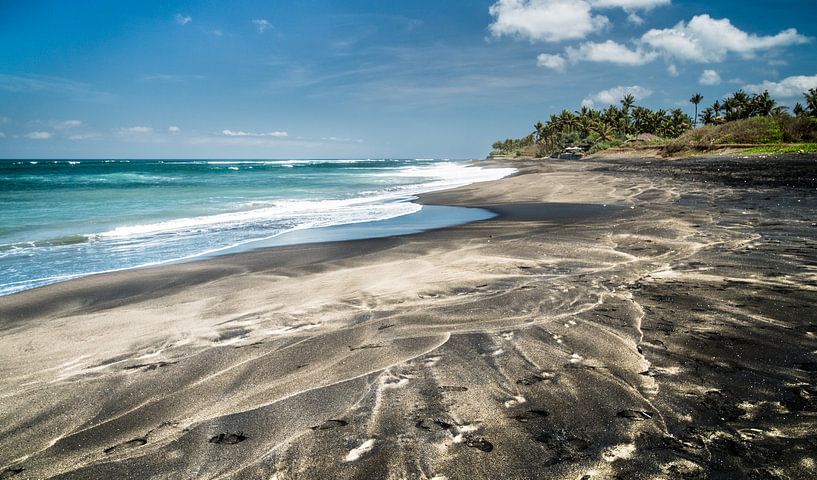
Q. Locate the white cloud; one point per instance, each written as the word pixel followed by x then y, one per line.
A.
pixel 183 19
pixel 239 133
pixel 174 129
pixel 555 62
pixel 2 135
pixel 610 52
pixel 672 70
pixel 635 18
pixel 262 24
pixel 630 4
pixel 705 39
pixel 341 139
pixel 613 95
pixel 38 135
pixel 790 87
pixel 68 124
pixel 544 20
pixel 217 32
pixel 709 77
pixel 136 130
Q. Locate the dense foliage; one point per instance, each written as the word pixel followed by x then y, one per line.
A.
pixel 591 129
pixel 588 128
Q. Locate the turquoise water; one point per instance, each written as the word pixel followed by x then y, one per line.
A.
pixel 63 219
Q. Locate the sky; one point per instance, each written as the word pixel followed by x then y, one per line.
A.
pixel 368 79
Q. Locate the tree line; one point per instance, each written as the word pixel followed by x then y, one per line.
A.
pixel 592 129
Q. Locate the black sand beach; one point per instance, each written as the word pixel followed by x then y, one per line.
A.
pixel 619 318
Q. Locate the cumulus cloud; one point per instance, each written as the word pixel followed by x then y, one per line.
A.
pixel 554 62
pixel 544 20
pixel 183 19
pixel 790 87
pixel 706 39
pixel 613 95
pixel 609 52
pixel 630 4
pixel 38 135
pixel 262 24
pixel 239 133
pixel 174 129
pixel 709 77
pixel 672 70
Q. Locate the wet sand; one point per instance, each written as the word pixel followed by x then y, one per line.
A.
pixel 618 318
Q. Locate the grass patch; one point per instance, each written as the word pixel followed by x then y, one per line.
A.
pixel 598 147
pixel 796 148
pixel 756 130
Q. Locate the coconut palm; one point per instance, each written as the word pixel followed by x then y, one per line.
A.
pixel 626 103
pixel 707 116
pixel 695 100
pixel 539 131
pixel 798 110
pixel 761 105
pixel 811 101
pixel 603 130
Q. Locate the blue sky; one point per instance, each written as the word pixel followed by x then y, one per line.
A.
pixel 319 78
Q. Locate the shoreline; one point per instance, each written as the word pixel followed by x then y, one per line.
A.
pixel 402 197
pixel 561 338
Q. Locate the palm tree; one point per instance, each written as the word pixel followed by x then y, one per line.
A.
pixel 798 110
pixel 707 116
pixel 604 131
pixel 811 101
pixel 761 105
pixel 538 131
pixel 626 103
pixel 696 99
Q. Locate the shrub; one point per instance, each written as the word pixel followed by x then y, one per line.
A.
pixel 799 129
pixel 758 130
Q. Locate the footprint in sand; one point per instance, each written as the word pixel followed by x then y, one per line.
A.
pixel 228 438
pixel 479 443
pixel 529 415
pixel 634 415
pixel 10 472
pixel 146 367
pixel 330 424
pixel 136 442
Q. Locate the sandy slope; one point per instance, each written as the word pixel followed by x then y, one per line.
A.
pixel 646 324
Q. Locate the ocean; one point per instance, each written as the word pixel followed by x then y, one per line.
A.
pixel 61 219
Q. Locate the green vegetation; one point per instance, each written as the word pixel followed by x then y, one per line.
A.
pixel 591 129
pixel 786 148
pixel 739 119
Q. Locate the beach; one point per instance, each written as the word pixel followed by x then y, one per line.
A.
pixel 617 318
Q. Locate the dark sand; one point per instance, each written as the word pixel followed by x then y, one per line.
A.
pixel 669 334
